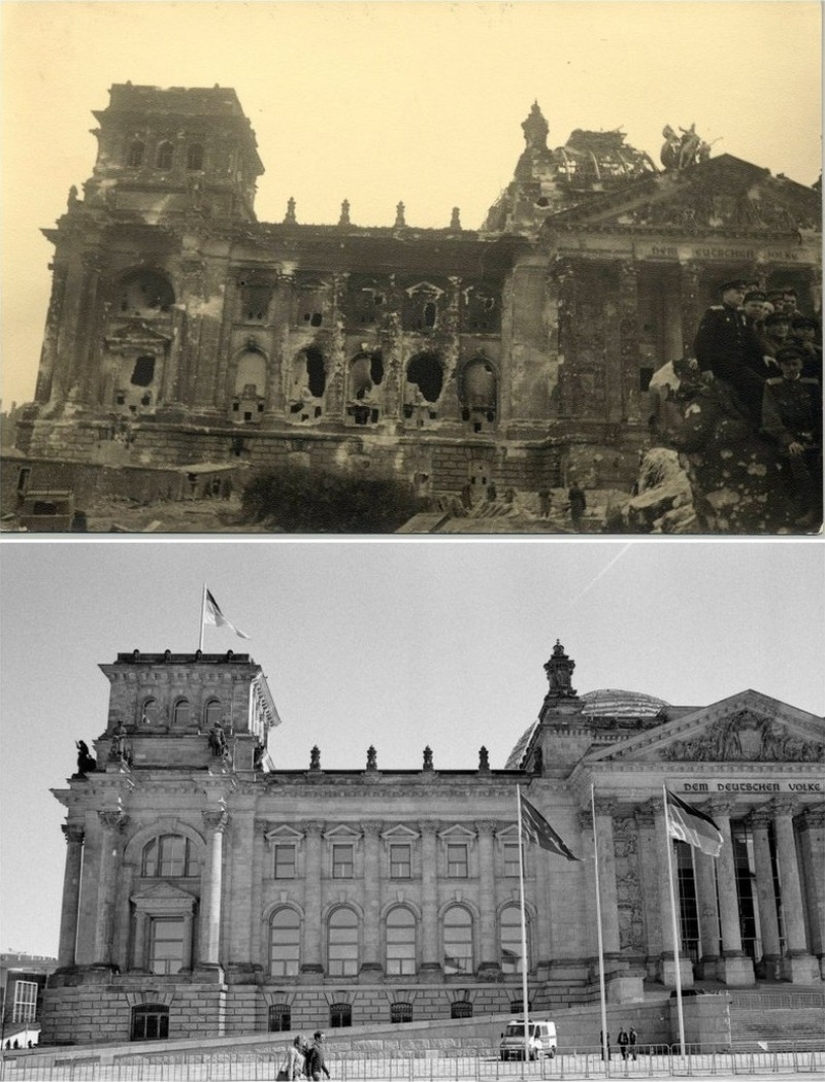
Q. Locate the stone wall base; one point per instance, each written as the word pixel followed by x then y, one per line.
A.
pixel 801 969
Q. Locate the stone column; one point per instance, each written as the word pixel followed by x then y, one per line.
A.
pixel 71 895
pixel 311 946
pixel 371 964
pixel 692 306
pixel 210 932
pixel 811 826
pixel 589 900
pixel 88 344
pixel 668 972
pixel 240 888
pixel 768 921
pixel 735 968
pixel 112 823
pixel 431 966
pixel 629 341
pixel 51 335
pixel 798 965
pixel 709 934
pixel 489 963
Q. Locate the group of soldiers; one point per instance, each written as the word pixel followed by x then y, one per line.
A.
pixel 770 355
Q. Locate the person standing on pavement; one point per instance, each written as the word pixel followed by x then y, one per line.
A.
pixel 315 1065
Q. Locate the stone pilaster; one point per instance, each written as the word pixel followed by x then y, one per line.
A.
pixel 431 964
pixel 488 964
pixel 735 968
pixel 71 895
pixel 241 886
pixel 768 921
pixel 707 905
pixel 607 879
pixel 370 958
pixel 798 965
pixel 48 351
pixel 311 964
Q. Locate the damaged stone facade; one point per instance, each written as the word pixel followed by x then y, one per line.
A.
pixel 209 892
pixel 182 330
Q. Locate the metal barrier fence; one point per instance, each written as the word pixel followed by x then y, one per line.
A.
pixel 650 1062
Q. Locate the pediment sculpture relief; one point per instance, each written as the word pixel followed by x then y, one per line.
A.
pixel 746 737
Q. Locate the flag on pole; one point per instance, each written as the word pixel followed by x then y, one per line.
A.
pixel 535 828
pixel 212 615
pixel 692 826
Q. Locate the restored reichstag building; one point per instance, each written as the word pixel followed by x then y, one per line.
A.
pixel 182 331
pixel 208 892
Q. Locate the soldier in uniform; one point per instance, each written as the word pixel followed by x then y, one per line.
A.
pixel 805 335
pixel 792 416
pixel 726 346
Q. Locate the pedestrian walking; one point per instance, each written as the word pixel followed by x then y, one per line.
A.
pixel 633 1038
pixel 315 1065
pixel 623 1041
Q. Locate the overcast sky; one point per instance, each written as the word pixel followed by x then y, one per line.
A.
pixel 381 102
pixel 395 644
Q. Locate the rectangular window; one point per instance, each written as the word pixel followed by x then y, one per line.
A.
pixel 284 861
pixel 342 862
pixel 400 862
pixel 166 945
pixel 457 861
pixel 511 859
pixel 25 1001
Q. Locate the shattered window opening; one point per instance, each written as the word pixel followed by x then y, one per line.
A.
pixel 144 372
pixel 135 157
pixel 316 372
pixel 426 373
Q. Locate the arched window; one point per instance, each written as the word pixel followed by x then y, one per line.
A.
pixel 280 1018
pixel 340 1015
pixel 401 935
pixel 150 1022
pixel 284 943
pixel 342 943
pixel 134 158
pixel 150 713
pixel 458 940
pixel 169 856
pixel 250 377
pixel 510 940
pixel 194 157
pixel 165 156
pixel 212 713
pixel 183 713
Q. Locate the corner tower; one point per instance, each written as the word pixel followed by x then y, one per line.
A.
pixel 162 151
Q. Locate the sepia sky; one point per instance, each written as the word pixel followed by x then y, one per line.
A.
pixel 399 644
pixel 381 102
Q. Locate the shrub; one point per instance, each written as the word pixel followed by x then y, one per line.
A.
pixel 302 500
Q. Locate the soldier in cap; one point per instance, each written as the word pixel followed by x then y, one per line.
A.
pixel 776 333
pixel 805 335
pixel 792 416
pixel 726 346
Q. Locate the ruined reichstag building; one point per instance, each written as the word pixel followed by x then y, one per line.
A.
pixel 181 330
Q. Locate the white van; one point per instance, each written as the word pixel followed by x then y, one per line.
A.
pixel 541 1039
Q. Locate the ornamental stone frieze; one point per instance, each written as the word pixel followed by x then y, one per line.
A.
pixel 746 737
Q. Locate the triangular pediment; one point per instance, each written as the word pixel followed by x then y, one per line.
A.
pixel 724 195
pixel 136 331
pixel 163 893
pixel 748 728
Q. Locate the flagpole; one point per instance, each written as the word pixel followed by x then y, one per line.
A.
pixel 523 931
pixel 669 844
pixel 203 617
pixel 602 999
